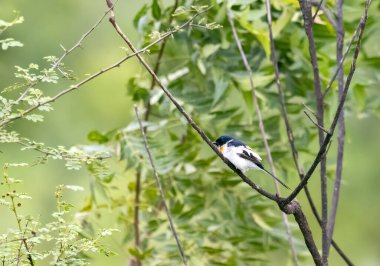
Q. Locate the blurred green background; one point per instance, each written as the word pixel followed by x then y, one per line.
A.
pixel 103 104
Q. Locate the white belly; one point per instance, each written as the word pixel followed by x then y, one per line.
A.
pixel 231 153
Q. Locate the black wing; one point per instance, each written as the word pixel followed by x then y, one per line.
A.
pixel 249 156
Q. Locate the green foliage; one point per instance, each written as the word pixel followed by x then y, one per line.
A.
pixel 10 42
pixel 219 220
pixel 63 241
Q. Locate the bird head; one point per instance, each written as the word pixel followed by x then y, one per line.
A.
pixel 221 141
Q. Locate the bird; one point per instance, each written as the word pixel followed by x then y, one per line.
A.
pixel 241 156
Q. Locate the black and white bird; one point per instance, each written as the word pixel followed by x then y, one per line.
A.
pixel 241 155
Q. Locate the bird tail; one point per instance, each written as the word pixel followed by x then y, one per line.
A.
pixel 278 180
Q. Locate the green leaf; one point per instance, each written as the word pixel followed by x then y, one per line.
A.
pixel 96 136
pixel 10 42
pixel 156 10
pixel 35 118
pixel 142 12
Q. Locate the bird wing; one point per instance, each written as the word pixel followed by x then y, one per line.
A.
pixel 246 154
pixel 249 155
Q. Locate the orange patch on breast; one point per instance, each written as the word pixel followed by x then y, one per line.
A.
pixel 221 148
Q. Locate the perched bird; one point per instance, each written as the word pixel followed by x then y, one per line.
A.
pixel 241 155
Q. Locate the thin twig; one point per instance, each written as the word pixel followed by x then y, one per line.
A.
pixel 100 72
pixel 341 126
pixel 323 8
pixel 159 186
pixel 340 65
pixel 318 8
pixel 312 121
pixel 262 129
pixel 79 42
pixel 328 137
pixel 308 25
pixel 146 118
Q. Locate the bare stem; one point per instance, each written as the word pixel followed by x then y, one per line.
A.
pixel 159 186
pixel 318 8
pixel 341 125
pixel 79 42
pixel 308 24
pixel 262 130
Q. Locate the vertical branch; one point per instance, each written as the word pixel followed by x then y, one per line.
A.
pixel 158 183
pixel 308 24
pixel 341 123
pixel 289 129
pixel 262 131
pixel 323 149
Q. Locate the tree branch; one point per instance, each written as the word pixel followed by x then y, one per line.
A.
pixel 328 137
pixel 321 6
pixel 262 130
pixel 308 25
pixel 159 186
pixel 295 208
pixel 341 125
pixel 79 42
pixel 340 65
pixel 316 12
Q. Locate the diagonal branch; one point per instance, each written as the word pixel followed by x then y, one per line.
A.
pixel 158 183
pixel 328 137
pixel 321 6
pixel 341 61
pixel 262 131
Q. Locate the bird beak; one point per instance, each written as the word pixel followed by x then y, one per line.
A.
pixel 214 143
